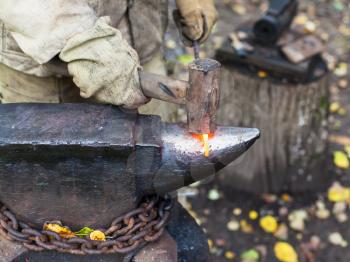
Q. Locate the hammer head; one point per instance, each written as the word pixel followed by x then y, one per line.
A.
pixel 203 95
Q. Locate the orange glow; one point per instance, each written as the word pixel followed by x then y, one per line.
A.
pixel 206 145
pixel 204 139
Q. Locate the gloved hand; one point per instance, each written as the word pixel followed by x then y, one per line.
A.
pixel 104 66
pixel 195 19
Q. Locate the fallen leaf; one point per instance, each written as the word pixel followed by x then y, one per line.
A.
pixel 84 232
pixel 185 59
pixel 341 140
pixel 315 242
pixel 282 232
pixel 338 193
pixel 286 197
pixel 253 215
pixel 309 27
pixel 63 232
pixel 210 243
pixel 338 5
pixel 342 111
pixel 345 30
pixel 262 74
pixel 269 224
pixel 284 252
pixel 237 211
pixel 322 213
pixel 171 44
pixel 246 227
pixel 300 19
pixel 337 239
pixel 342 217
pixel 343 83
pixel 233 225
pixel 250 255
pixel 341 160
pixel 297 219
pixel 229 255
pixel 341 70
pixel 213 194
pixel 339 207
pixel 334 107
pixel 97 235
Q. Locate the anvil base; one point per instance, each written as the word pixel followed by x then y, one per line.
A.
pixel 186 241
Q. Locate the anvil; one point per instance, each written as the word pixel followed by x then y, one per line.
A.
pixel 85 164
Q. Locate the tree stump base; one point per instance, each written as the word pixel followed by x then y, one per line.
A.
pixel 292 151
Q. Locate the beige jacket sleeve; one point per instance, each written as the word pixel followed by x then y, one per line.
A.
pixel 42 27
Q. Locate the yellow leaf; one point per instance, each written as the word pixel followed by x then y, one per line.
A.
pixel 210 243
pixel 245 227
pixel 341 70
pixel 339 194
pixel 285 252
pixel 269 224
pixel 98 236
pixel 301 19
pixel 310 27
pixel 286 198
pixel 262 74
pixel 253 215
pixel 230 255
pixel 341 160
pixel 334 107
pixel 62 231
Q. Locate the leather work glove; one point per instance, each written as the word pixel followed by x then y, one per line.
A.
pixel 195 19
pixel 104 66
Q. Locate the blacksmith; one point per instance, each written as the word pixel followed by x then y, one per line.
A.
pixel 89 50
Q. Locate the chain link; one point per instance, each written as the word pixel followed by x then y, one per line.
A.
pixel 125 234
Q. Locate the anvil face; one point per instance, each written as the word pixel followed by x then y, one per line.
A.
pixel 85 164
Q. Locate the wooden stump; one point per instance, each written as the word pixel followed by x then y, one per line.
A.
pixel 291 153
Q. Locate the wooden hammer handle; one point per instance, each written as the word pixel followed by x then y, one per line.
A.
pixel 164 88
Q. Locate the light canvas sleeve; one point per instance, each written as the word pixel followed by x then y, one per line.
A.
pixel 42 28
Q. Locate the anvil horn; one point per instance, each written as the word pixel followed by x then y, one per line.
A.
pixel 86 164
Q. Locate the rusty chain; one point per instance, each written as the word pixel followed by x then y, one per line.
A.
pixel 125 234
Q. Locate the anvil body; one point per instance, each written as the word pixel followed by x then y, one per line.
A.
pixel 85 164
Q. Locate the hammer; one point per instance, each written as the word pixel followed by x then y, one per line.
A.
pixel 200 94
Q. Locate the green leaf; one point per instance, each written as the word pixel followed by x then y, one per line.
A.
pixel 84 232
pixel 250 254
pixel 337 5
pixel 185 59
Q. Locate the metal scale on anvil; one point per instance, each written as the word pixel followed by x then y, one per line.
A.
pixel 269 44
pixel 86 164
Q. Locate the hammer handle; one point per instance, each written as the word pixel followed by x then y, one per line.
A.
pixel 164 88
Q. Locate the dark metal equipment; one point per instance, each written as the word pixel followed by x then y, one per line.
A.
pixel 86 164
pixel 96 156
pixel 277 19
pixel 263 45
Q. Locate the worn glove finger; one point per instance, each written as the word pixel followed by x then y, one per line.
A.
pixel 104 66
pixel 195 20
pixel 210 16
